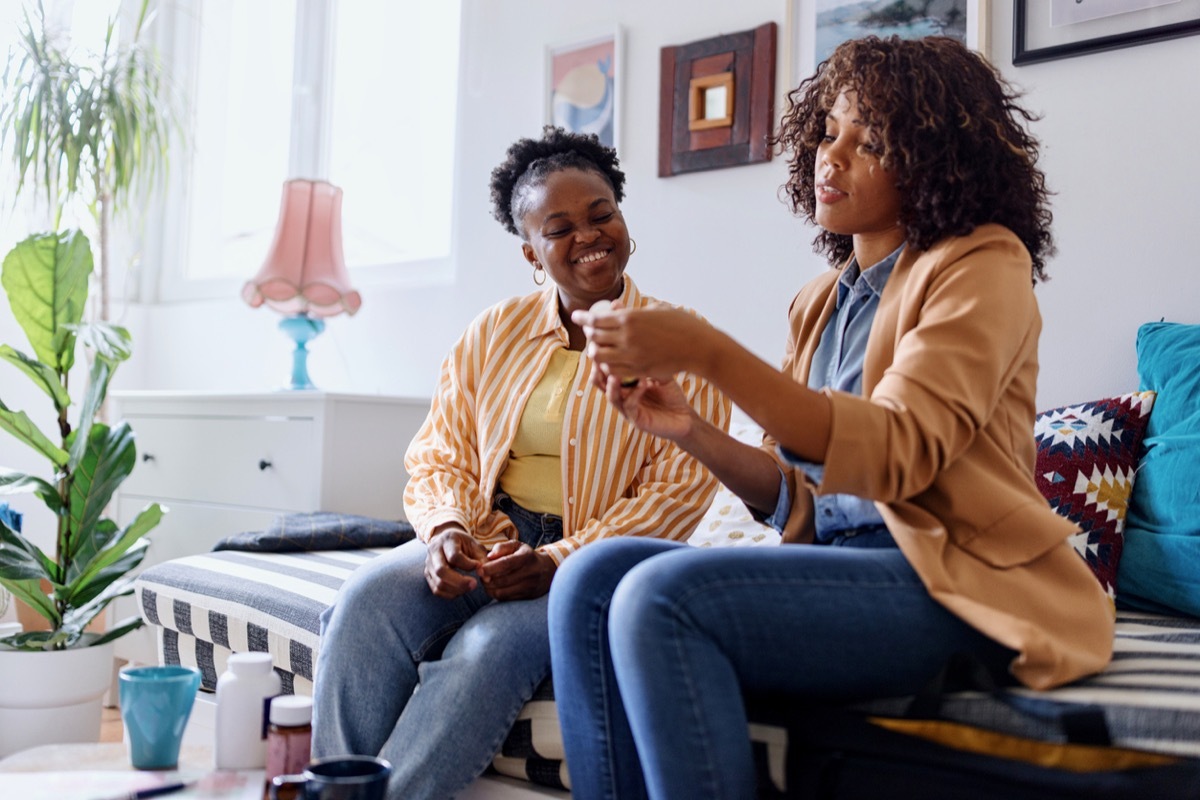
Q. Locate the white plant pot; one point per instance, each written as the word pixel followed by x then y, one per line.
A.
pixel 52 697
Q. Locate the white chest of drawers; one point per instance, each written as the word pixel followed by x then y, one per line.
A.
pixel 227 463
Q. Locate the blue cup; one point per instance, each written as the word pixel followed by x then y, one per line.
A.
pixel 155 705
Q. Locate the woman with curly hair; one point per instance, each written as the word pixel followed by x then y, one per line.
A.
pixel 430 651
pixel 898 456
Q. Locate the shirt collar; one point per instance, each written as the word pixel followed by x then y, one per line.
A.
pixel 548 321
pixel 874 279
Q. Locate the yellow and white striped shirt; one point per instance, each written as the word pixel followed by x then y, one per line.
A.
pixel 616 480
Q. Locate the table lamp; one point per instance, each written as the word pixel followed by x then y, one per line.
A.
pixel 304 276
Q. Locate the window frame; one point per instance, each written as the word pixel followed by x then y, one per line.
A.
pixel 310 145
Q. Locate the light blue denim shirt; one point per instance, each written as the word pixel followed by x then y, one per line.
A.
pixel 838 364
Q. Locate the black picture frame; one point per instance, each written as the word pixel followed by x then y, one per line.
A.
pixel 1023 54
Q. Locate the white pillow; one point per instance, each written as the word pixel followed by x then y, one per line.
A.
pixel 728 522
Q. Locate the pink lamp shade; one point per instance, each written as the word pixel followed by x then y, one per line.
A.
pixel 305 271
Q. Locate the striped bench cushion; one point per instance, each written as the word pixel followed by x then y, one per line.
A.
pixel 211 605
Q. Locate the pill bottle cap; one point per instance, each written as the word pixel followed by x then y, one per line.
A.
pixel 250 663
pixel 291 709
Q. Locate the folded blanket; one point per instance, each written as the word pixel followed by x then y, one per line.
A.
pixel 320 530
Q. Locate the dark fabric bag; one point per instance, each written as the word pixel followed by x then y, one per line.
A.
pixel 846 753
pixel 836 753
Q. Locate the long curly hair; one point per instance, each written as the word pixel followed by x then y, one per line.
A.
pixel 528 162
pixel 949 128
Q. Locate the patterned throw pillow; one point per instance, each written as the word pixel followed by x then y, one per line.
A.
pixel 1087 456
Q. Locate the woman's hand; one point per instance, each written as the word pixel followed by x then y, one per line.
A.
pixel 451 552
pixel 513 570
pixel 654 342
pixel 656 407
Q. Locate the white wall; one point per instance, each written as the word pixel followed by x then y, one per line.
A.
pixel 1119 134
pixel 1119 130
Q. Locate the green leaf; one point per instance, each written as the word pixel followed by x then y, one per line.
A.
pixel 22 560
pixel 112 345
pixel 108 459
pixel 46 279
pixel 18 424
pixel 30 592
pixel 98 378
pixel 44 376
pixel 34 641
pixel 110 342
pixel 113 547
pixel 13 482
pixel 94 583
pixel 80 615
pixel 120 629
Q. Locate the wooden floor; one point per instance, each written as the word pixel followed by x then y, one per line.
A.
pixel 110 725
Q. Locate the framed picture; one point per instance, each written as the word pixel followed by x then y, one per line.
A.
pixel 716 101
pixel 583 86
pixel 1044 30
pixel 816 27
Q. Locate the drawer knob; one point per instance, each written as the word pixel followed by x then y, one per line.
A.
pixel 147 457
pixel 264 465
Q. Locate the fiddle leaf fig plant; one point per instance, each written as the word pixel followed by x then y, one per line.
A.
pixel 45 278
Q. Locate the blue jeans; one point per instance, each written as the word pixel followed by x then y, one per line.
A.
pixel 432 685
pixel 654 644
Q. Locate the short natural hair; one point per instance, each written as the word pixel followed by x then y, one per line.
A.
pixel 948 127
pixel 529 161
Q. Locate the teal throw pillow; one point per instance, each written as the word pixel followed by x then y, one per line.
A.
pixel 1160 568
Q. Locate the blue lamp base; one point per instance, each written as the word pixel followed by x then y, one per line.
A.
pixel 301 329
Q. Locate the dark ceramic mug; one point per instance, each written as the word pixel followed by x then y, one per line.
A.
pixel 338 778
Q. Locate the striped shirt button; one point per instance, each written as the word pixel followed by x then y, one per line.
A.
pixel 572 443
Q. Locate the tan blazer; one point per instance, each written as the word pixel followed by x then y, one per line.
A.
pixel 942 441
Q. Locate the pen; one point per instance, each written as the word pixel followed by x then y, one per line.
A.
pixel 154 791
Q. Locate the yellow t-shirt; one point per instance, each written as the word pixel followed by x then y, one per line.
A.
pixel 533 475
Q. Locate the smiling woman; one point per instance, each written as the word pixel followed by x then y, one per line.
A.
pixel 575 232
pixel 518 465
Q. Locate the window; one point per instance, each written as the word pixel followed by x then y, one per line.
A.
pixel 362 93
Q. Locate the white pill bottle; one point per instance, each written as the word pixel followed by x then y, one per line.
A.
pixel 244 693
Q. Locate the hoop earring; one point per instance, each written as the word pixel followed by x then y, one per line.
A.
pixel 632 246
pixel 537 270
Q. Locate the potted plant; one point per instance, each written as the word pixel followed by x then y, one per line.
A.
pixel 92 126
pixel 45 279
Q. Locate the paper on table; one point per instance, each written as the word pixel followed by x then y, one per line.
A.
pixel 102 784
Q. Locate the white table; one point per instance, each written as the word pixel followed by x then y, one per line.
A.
pixel 89 771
